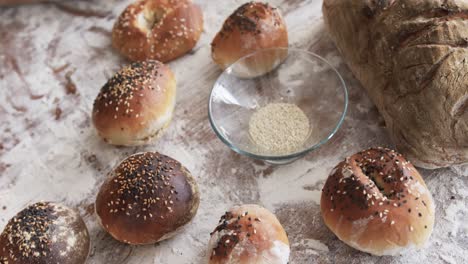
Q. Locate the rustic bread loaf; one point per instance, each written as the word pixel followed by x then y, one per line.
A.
pixel 412 58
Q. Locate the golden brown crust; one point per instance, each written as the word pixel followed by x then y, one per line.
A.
pixel 157 29
pixel 136 104
pixel 44 233
pixel 377 202
pixel 248 234
pixel 146 198
pixel 253 26
pixel 410 56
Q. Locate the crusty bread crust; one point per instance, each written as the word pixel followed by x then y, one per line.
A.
pixel 410 56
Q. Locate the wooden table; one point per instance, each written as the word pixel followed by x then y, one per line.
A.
pixel 55 58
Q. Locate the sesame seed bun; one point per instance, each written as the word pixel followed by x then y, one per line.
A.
pixel 249 234
pixel 377 202
pixel 146 199
pixel 136 104
pixel 157 29
pixel 253 26
pixel 45 232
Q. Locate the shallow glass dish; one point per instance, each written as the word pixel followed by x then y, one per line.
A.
pixel 277 76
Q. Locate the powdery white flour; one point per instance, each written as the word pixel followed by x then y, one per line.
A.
pixel 293 183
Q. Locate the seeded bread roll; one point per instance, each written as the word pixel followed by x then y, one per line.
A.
pixel 249 234
pixel 157 29
pixel 136 104
pixel 45 232
pixel 252 27
pixel 376 201
pixel 146 199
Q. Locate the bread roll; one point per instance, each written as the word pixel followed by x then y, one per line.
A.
pixel 249 234
pixel 45 232
pixel 146 199
pixel 135 106
pixel 157 29
pixel 253 26
pixel 377 202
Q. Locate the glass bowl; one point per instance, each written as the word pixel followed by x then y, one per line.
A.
pixel 278 75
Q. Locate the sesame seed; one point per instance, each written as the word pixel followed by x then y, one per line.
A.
pixel 30 229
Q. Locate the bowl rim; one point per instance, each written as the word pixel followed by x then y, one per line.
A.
pixel 287 156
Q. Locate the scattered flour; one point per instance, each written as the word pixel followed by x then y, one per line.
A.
pixel 458 216
pixel 461 170
pixel 45 173
pixel 315 246
pixel 286 184
pixel 448 259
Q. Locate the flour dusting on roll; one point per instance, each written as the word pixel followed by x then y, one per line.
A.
pixel 252 27
pixel 157 29
pixel 147 198
pixel 249 234
pixel 377 202
pixel 45 232
pixel 135 106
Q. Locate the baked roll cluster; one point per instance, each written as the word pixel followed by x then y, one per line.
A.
pixel 374 201
pixel 148 197
pixel 136 104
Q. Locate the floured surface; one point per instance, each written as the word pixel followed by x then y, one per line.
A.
pixel 54 59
